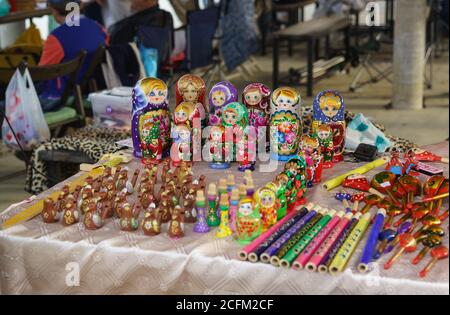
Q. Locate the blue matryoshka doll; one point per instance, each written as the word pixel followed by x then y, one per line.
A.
pixel 329 109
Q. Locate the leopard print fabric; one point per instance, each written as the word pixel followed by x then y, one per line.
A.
pixel 94 142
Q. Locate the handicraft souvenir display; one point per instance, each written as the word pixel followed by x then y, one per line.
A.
pixel 151 120
pixel 270 220
pixel 329 109
pixel 285 123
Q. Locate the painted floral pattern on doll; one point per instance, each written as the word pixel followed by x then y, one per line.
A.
pixel 150 112
pixel 221 95
pixel 285 123
pixel 324 134
pixel 329 108
pixel 310 151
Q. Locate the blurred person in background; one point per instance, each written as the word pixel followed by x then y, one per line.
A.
pixel 64 44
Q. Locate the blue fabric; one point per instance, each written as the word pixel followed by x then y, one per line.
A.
pixel 88 36
pixel 239 39
pixel 202 26
pixel 362 130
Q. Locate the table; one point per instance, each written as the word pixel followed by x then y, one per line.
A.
pixel 23 15
pixel 309 31
pixel 34 257
pixel 293 10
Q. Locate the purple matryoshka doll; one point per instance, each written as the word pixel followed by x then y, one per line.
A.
pixel 285 124
pixel 221 94
pixel 329 109
pixel 256 97
pixel 151 120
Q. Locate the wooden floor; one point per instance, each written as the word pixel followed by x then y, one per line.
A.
pixel 427 126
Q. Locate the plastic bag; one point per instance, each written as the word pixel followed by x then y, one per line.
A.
pixel 149 57
pixel 24 112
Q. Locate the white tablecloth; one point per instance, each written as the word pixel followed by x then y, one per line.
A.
pixel 41 258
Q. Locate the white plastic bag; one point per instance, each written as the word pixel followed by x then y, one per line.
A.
pixel 24 112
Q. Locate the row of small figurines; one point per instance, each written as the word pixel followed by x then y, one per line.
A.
pixel 107 197
pixel 179 200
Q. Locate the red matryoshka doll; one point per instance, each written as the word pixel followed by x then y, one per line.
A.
pixel 329 108
pixel 256 97
pixel 324 134
pixel 191 88
pixel 310 150
pixel 221 95
pixel 285 124
pixel 151 121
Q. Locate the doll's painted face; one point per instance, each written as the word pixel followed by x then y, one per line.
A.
pixel 190 94
pixel 184 133
pixel 181 116
pixel 267 198
pixel 231 117
pixel 216 134
pixel 324 134
pixel 218 98
pixel 330 105
pixel 246 209
pixel 253 97
pixel 284 102
pixel 156 96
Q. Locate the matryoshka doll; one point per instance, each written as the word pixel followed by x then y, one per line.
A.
pixel 267 205
pixel 191 88
pixel 295 169
pixel 285 123
pixel 181 147
pixel 151 121
pixel 217 150
pixel 185 113
pixel 329 108
pixel 248 221
pixel 256 97
pixel 324 134
pixel 310 150
pixel 221 95
pixel 279 186
pixel 235 122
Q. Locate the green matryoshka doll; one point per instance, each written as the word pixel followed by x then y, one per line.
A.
pixel 235 122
